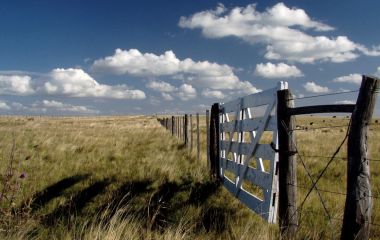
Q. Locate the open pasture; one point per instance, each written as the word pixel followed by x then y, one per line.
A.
pixel 127 177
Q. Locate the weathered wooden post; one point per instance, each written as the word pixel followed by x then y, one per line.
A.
pixel 358 207
pixel 191 133
pixel 288 218
pixel 198 139
pixel 214 141
pixel 185 129
pixel 173 124
pixel 208 136
pixel 178 127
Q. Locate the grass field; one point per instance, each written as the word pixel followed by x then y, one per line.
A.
pixel 127 178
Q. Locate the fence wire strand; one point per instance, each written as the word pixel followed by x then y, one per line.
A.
pixel 314 182
pixel 323 95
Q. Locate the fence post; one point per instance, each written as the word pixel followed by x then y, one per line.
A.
pixel 181 128
pixel 288 218
pixel 214 141
pixel 198 139
pixel 191 133
pixel 208 136
pixel 358 206
pixel 177 118
pixel 172 125
pixel 185 129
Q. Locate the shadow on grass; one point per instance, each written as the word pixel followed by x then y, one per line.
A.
pixel 215 219
pixel 160 208
pixel 200 192
pixel 165 205
pixel 181 146
pixel 74 206
pixel 41 198
pixel 121 197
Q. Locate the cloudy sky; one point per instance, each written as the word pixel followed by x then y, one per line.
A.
pixel 143 57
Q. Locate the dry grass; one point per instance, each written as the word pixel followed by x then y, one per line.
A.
pixel 127 178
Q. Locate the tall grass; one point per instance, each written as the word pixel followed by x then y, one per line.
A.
pixel 127 178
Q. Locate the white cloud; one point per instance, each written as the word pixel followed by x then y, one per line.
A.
pixel 374 52
pixel 4 106
pixel 18 106
pixel 355 78
pixel 377 73
pixel 281 29
pixel 314 88
pixel 212 94
pixel 167 96
pixel 280 70
pixel 187 92
pixel 345 102
pixel 16 85
pixel 135 63
pixel 77 83
pixel 203 74
pixel 161 86
pixel 47 105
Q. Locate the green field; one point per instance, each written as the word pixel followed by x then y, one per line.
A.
pixel 128 178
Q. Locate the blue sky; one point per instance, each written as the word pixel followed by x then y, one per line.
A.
pixel 145 57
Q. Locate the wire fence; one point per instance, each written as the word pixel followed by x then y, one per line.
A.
pixel 314 179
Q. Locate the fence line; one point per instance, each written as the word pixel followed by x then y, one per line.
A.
pixel 182 128
pixel 357 161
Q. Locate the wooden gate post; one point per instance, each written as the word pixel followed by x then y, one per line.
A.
pixel 214 142
pixel 185 129
pixel 173 126
pixel 198 140
pixel 178 127
pixel 191 133
pixel 208 136
pixel 288 218
pixel 358 207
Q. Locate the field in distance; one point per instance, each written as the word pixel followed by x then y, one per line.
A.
pixel 128 178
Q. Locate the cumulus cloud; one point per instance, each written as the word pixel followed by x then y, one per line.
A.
pixel 161 86
pixel 377 73
pixel 212 94
pixel 167 96
pixel 281 29
pixel 187 92
pixel 355 78
pixel 16 85
pixel 77 83
pixel 4 106
pixel 280 70
pixel 47 105
pixel 314 88
pixel 374 52
pixel 197 73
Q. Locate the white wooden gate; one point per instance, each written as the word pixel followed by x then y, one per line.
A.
pixel 247 141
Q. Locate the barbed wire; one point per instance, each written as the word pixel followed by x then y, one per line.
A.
pixel 308 173
pixel 314 185
pixel 335 218
pixel 307 128
pixel 326 191
pixel 340 158
pixel 322 95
